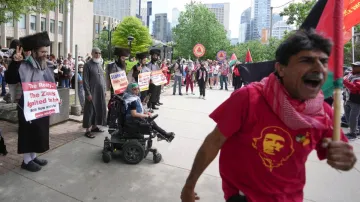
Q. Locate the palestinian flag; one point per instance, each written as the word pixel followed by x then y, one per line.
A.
pixel 248 57
pixel 233 60
pixel 334 19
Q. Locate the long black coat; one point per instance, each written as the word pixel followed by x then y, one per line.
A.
pixel 33 135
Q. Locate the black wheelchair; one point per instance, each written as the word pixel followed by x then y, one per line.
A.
pixel 135 146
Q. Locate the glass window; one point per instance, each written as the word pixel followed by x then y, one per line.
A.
pixel 55 6
pixel 97 28
pixel 33 22
pixel 22 21
pixel 43 24
pixel 10 23
pixel 61 8
pixel 60 31
pixel 52 26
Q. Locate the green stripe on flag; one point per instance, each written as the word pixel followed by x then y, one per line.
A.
pixel 330 85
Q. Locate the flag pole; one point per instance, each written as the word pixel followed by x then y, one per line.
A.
pixel 338 54
pixel 353 44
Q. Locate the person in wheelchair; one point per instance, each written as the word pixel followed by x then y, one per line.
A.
pixel 136 119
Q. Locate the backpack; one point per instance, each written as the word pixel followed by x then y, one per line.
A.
pixel 73 82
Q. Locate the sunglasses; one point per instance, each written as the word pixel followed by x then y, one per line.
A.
pixel 97 53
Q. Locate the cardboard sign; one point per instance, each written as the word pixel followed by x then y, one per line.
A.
pixel 41 99
pixel 158 78
pixel 199 50
pixel 119 82
pixel 144 81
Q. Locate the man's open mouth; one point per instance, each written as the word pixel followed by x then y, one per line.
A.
pixel 313 79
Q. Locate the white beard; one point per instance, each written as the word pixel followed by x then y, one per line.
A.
pixel 96 60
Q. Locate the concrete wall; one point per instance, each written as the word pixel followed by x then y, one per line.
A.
pixel 82 32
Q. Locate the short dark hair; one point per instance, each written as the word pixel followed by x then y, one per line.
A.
pixel 299 41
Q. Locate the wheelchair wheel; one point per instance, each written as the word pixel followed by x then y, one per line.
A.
pixel 133 152
pixel 106 157
pixel 157 158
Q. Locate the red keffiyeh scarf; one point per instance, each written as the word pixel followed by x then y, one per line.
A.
pixel 294 113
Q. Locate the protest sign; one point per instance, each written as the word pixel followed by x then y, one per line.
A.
pixel 143 81
pixel 119 82
pixel 158 78
pixel 40 99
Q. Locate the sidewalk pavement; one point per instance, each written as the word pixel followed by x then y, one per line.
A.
pixel 76 171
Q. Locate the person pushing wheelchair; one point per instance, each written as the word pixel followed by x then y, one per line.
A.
pixel 137 118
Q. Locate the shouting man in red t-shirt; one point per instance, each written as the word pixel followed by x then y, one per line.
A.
pixel 267 129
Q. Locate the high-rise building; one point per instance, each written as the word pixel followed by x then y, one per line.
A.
pixel 222 13
pixel 160 27
pixel 143 11
pixel 175 17
pixel 276 18
pixel 149 13
pixel 245 21
pixel 118 9
pixel 260 17
pixel 279 29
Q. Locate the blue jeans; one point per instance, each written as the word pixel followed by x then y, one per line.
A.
pixel 177 81
pixel 223 79
pixel 3 85
pixel 81 93
pixel 65 83
pixel 352 111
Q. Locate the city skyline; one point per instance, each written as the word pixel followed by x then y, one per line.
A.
pixel 236 8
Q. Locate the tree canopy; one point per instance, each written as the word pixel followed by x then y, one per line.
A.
pixel 297 12
pixel 132 26
pixel 13 9
pixel 259 52
pixel 199 25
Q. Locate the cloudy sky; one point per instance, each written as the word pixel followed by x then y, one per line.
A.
pixel 236 8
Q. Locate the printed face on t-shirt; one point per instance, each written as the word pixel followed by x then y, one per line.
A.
pixel 275 146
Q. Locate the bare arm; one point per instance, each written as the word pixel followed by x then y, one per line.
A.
pixel 206 154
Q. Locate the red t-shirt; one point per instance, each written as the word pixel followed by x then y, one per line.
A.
pixel 262 157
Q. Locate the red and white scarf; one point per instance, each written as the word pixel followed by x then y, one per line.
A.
pixel 294 113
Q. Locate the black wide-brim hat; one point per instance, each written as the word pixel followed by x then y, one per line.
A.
pixel 155 51
pixel 35 41
pixel 141 56
pixel 119 51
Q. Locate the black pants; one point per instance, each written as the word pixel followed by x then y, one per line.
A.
pixel 202 87
pixel 237 198
pixel 139 125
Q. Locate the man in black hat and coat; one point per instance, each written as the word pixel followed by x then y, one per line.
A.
pixel 34 134
pixel 118 65
pixel 140 67
pixel 153 89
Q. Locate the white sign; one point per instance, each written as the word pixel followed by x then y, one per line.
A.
pixel 41 99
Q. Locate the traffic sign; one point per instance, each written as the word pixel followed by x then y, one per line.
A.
pixel 221 55
pixel 199 50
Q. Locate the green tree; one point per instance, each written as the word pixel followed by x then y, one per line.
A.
pixel 259 52
pixel 297 12
pixel 11 9
pixel 103 44
pixel 199 25
pixel 132 26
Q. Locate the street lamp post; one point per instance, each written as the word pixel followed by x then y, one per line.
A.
pixel 130 39
pixel 109 30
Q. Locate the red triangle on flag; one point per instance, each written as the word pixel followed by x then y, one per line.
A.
pixel 199 50
pixel 221 55
pixel 233 57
